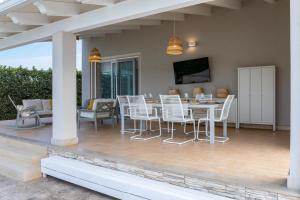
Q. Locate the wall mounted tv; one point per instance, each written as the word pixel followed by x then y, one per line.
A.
pixel 192 71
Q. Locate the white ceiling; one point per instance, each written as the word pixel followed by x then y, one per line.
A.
pixel 35 13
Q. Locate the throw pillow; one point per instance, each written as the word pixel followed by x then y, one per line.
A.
pixel 91 103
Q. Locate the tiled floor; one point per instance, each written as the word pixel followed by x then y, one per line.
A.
pixel 251 156
pixel 45 189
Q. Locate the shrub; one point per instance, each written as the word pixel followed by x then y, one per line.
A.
pixel 21 83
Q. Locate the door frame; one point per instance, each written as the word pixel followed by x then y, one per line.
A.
pixel 128 56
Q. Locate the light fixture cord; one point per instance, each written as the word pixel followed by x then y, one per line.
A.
pixel 174 26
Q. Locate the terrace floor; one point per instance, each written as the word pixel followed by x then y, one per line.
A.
pixel 251 156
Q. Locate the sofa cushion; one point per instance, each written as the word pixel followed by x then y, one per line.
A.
pixel 36 103
pixel 47 104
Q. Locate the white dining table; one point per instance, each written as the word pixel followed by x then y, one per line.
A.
pixel 210 107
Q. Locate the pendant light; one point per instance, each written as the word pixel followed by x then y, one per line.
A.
pixel 175 44
pixel 95 56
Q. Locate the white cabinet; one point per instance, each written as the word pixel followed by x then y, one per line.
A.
pixel 268 95
pixel 244 95
pixel 256 95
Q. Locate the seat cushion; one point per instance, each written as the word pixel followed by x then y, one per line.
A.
pixel 36 103
pixel 90 115
pixel 87 114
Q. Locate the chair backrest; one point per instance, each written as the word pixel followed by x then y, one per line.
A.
pixel 172 108
pixel 105 107
pixel 123 101
pixel 203 97
pixel 226 107
pixel 96 101
pixel 12 102
pixel 137 107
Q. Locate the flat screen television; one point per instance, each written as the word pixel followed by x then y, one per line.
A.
pixel 192 71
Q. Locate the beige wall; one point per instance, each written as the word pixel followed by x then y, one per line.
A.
pixel 258 34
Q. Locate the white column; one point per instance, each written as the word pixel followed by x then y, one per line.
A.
pixel 294 177
pixel 64 89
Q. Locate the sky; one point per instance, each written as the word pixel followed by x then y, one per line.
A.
pixel 37 54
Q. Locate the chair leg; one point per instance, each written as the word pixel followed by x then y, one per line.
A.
pixel 131 130
pixel 198 132
pixel 198 129
pixel 17 120
pixel 159 125
pixel 38 120
pixel 172 131
pixel 113 122
pixel 225 138
pixel 170 140
pixel 206 128
pixel 139 136
pixel 96 124
pixel 187 133
pixel 225 129
pixel 195 133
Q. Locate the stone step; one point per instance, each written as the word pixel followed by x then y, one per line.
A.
pixel 24 145
pixel 30 156
pixel 17 170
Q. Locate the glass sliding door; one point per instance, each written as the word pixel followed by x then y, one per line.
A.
pixel 125 78
pixel 122 76
pixel 106 80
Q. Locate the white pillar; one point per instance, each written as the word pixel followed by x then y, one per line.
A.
pixel 294 177
pixel 64 89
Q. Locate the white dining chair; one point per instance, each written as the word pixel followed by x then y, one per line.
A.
pixel 220 116
pixel 174 112
pixel 201 113
pixel 124 107
pixel 140 111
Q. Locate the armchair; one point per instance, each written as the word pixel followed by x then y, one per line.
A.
pixel 25 113
pixel 102 109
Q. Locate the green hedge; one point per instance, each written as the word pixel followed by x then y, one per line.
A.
pixel 21 83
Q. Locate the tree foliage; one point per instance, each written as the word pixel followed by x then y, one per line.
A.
pixel 21 83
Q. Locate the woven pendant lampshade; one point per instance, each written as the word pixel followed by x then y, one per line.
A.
pixel 95 56
pixel 174 46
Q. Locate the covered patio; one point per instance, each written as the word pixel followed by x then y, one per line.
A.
pixel 254 163
pixel 252 157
